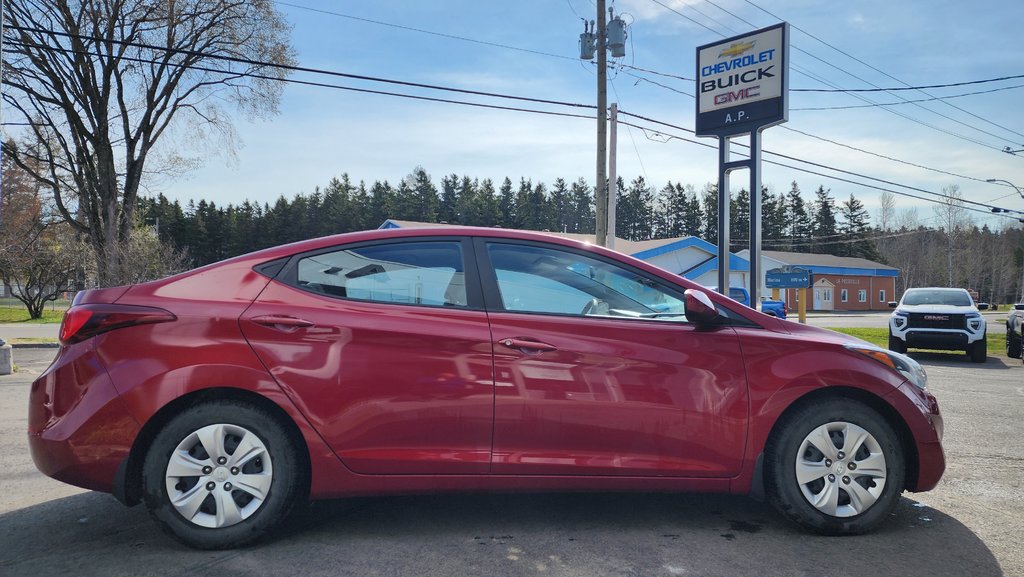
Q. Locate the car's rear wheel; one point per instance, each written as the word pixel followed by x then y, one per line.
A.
pixel 835 467
pixel 1013 344
pixel 979 350
pixel 222 474
pixel 896 345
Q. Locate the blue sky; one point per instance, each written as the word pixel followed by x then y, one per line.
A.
pixel 322 133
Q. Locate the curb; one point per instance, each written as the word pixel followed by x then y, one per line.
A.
pixel 35 345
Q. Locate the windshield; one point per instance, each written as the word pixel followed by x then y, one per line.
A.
pixel 957 298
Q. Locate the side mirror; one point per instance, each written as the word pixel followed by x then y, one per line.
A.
pixel 982 306
pixel 1018 307
pixel 892 304
pixel 699 308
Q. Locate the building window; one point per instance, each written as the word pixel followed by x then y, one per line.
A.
pixel 843 295
pixel 862 296
pixel 881 296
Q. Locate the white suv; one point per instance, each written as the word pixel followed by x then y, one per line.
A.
pixel 938 318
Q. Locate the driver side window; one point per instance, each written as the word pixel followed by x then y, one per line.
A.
pixel 544 280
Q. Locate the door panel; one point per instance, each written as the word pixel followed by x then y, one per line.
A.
pixel 617 397
pixel 598 373
pixel 392 388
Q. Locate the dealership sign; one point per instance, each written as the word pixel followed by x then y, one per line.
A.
pixel 743 82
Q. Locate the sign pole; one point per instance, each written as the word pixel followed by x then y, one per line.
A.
pixel 742 88
pixel 723 215
pixel 754 279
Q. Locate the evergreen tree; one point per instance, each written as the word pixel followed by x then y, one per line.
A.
pixel 709 201
pixel 583 217
pixel 448 208
pixel 799 229
pixel 739 220
pixel 507 205
pixel 823 228
pixel 856 226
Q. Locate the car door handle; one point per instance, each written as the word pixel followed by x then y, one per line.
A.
pixel 282 322
pixel 525 345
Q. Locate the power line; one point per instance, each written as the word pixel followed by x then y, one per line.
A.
pixel 290 68
pixel 855 95
pixel 898 88
pixel 941 98
pixel 516 109
pixel 322 84
pixel 946 200
pixel 423 31
pixel 848 55
pixel 835 142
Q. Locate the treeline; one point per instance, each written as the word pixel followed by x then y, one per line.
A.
pixel 209 232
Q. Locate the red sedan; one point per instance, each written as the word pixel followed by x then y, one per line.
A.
pixel 464 359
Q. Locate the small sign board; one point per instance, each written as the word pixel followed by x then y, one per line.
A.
pixel 743 82
pixel 788 277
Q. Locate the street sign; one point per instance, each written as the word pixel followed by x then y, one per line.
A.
pixel 743 82
pixel 788 277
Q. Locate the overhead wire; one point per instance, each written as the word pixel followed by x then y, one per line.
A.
pixel 848 55
pixel 482 105
pixel 855 94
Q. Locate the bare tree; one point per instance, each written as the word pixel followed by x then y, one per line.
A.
pixel 953 218
pixel 97 83
pixel 38 255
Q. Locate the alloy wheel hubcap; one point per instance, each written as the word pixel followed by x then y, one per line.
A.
pixel 219 476
pixel 841 469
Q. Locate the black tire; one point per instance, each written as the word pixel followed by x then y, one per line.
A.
pixel 897 345
pixel 1013 344
pixel 979 350
pixel 287 484
pixel 783 454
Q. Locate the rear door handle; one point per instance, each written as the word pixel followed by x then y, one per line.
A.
pixel 525 345
pixel 282 322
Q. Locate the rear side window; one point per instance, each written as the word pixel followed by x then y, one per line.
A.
pixel 415 273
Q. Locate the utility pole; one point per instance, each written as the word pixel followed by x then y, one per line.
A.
pixel 613 181
pixel 600 187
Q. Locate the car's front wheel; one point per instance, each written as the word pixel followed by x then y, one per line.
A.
pixel 897 345
pixel 835 467
pixel 1013 344
pixel 979 350
pixel 221 475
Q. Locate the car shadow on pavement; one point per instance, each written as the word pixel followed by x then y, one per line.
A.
pixel 518 534
pixel 957 359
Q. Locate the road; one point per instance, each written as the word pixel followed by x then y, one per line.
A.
pixel 969 525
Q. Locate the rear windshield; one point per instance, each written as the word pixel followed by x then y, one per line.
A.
pixel 937 297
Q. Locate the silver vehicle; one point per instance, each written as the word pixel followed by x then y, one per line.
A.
pixel 938 318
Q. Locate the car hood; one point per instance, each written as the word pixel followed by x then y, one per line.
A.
pixel 936 309
pixel 818 334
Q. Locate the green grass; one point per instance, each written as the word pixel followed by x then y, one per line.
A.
pixel 33 341
pixel 880 337
pixel 20 315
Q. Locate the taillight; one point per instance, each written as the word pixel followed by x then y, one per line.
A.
pixel 83 322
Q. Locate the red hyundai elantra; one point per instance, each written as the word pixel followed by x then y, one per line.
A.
pixel 463 359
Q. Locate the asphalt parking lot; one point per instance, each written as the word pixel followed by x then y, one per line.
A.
pixel 970 525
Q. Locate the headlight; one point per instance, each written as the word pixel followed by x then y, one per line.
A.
pixel 899 319
pixel 902 364
pixel 974 321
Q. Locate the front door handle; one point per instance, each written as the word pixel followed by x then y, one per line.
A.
pixel 282 322
pixel 526 345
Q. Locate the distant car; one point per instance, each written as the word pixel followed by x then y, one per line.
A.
pixel 736 293
pixel 938 318
pixel 774 308
pixel 465 359
pixel 1014 331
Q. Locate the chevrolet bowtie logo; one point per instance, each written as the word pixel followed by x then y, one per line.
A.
pixel 736 49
